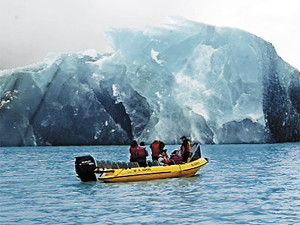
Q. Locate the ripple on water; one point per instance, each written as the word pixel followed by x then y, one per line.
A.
pixel 241 184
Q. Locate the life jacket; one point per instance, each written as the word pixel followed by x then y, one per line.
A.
pixel 177 158
pixel 166 159
pixel 133 152
pixel 188 146
pixel 137 152
pixel 185 147
pixel 141 152
pixel 155 149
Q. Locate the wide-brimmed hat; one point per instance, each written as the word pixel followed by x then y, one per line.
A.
pixel 183 137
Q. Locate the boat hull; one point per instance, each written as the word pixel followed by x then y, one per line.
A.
pixel 151 173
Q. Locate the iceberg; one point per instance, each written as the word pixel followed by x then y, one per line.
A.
pixel 212 84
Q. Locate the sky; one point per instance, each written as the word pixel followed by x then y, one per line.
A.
pixel 29 29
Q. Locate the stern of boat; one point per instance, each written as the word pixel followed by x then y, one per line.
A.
pixel 85 166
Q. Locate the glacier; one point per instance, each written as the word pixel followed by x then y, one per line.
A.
pixel 212 84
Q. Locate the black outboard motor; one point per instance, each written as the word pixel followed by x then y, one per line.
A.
pixel 85 166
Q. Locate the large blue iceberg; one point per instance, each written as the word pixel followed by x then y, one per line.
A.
pixel 215 85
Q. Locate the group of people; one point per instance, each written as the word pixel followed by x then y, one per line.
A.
pixel 138 153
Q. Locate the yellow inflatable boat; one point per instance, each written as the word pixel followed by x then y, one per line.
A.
pixel 90 170
pixel 150 173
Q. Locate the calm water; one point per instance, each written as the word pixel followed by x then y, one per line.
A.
pixel 241 184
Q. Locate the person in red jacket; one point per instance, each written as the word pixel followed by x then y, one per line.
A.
pixel 156 149
pixel 133 151
pixel 185 148
pixel 164 158
pixel 142 154
pixel 176 157
pixel 138 153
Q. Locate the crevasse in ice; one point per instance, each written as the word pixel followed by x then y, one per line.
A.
pixel 215 85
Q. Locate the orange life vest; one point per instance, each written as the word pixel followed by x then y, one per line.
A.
pixel 137 152
pixel 166 159
pixel 141 152
pixel 155 149
pixel 133 151
pixel 185 147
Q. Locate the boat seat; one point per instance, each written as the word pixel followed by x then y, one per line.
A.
pixel 123 165
pixel 133 164
pixel 101 164
pixel 149 163
pixel 115 165
pixel 104 164
pixel 155 163
pixel 112 165
pixel 136 164
pixel 152 163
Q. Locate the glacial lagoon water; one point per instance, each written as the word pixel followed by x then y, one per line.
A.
pixel 241 184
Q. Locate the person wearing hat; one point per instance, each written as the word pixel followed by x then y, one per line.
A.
pixel 185 148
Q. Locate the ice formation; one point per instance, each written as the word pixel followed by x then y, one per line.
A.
pixel 215 85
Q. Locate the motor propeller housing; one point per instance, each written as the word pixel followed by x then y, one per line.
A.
pixel 85 166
